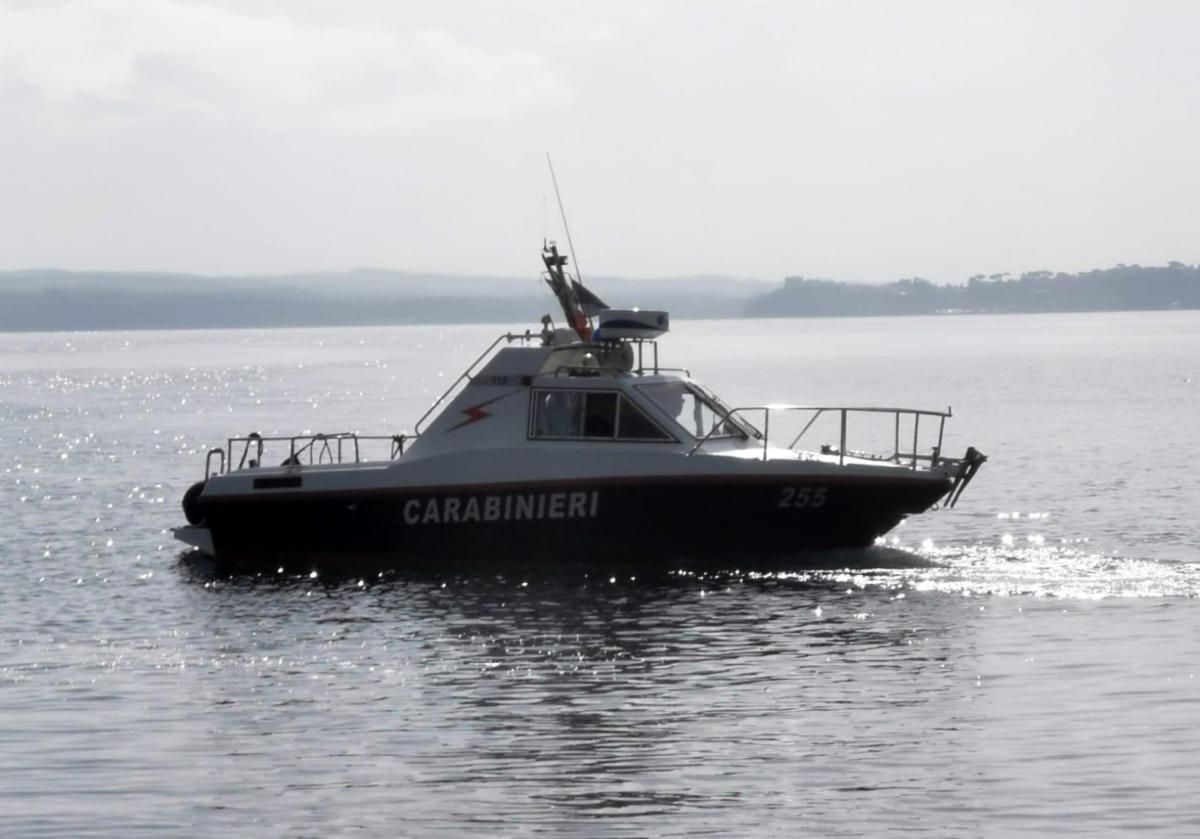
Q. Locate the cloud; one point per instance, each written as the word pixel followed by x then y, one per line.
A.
pixel 100 61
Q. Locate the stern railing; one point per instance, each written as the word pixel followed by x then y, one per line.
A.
pixel 302 450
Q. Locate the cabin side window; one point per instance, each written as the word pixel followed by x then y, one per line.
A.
pixel 558 413
pixel 590 415
pixel 699 415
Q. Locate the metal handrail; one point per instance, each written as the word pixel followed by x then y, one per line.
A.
pixel 508 337
pixel 660 370
pixel 655 368
pixel 253 437
pixel 818 410
pixel 208 463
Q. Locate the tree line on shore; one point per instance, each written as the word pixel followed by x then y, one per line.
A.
pixel 1124 287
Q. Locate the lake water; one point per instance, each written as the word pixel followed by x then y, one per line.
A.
pixel 1024 664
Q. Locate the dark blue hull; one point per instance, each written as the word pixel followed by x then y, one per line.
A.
pixel 619 524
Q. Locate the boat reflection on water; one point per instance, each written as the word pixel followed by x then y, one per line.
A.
pixel 204 567
pixel 594 697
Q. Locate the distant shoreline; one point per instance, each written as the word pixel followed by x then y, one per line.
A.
pixel 57 301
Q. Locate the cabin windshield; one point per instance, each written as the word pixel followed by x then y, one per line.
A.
pixel 700 414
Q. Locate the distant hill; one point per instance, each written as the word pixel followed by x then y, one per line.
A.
pixel 1125 287
pixel 49 300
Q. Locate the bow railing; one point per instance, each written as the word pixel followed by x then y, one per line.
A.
pixel 905 449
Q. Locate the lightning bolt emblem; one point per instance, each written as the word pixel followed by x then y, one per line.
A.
pixel 475 413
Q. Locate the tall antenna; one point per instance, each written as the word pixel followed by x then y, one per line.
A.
pixel 562 212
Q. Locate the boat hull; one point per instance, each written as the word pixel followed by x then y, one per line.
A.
pixel 613 523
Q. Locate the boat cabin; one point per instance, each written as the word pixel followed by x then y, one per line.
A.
pixel 582 393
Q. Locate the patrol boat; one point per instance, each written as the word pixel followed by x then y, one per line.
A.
pixel 572 445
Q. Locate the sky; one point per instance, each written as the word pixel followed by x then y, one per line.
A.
pixel 861 141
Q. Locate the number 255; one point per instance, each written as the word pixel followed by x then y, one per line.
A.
pixel 798 499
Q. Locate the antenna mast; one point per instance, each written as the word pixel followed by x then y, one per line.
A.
pixel 562 212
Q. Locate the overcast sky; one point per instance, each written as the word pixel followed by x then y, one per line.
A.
pixel 852 140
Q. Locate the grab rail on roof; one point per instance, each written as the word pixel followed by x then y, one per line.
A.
pixel 507 337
